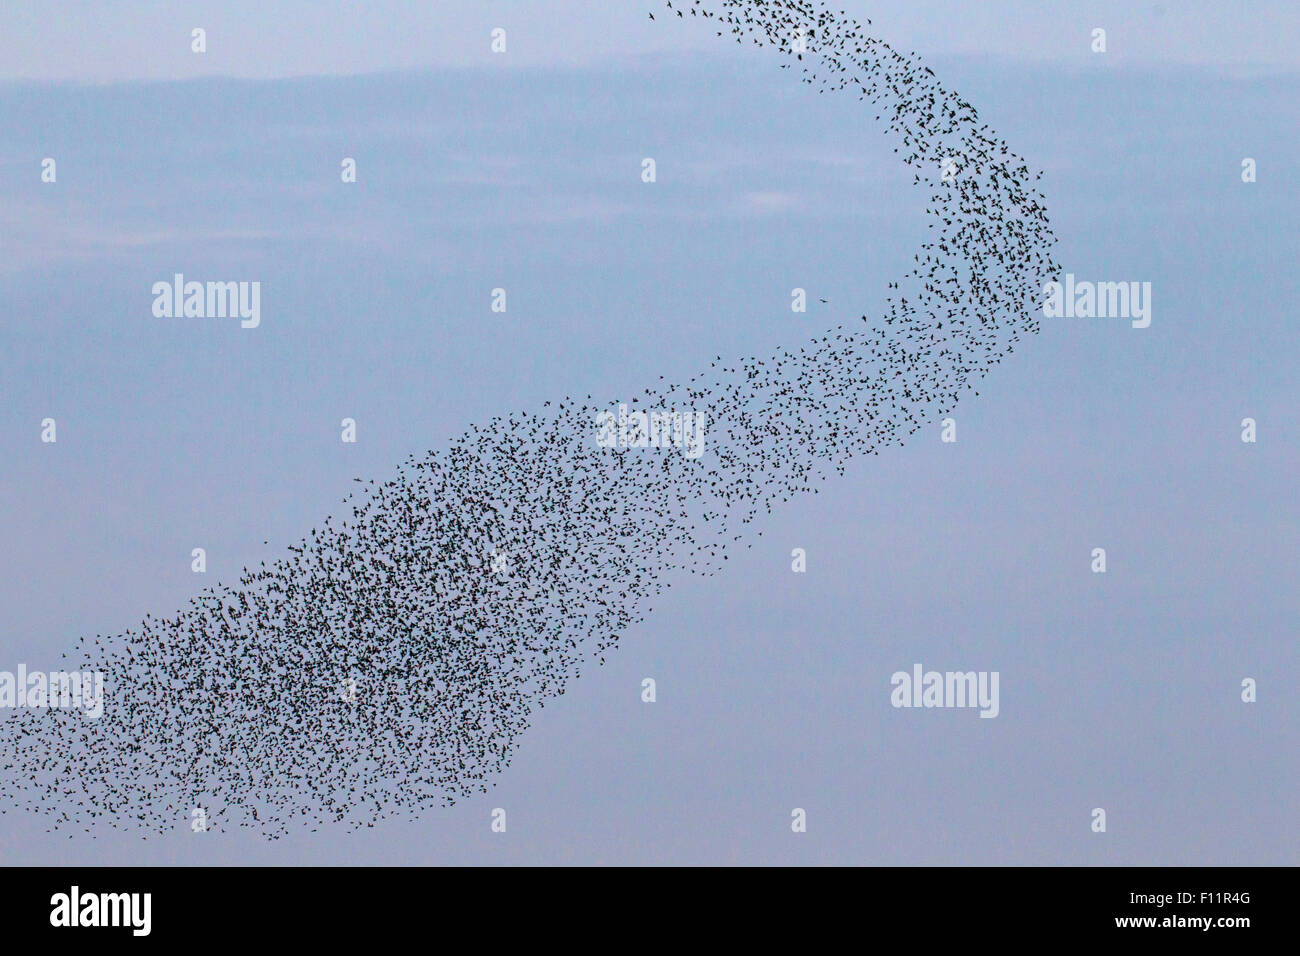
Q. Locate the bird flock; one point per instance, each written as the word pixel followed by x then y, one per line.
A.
pixel 391 660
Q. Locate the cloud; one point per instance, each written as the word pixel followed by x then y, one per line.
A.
pixel 770 201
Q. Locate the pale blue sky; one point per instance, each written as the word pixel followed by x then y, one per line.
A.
pixel 97 41
pixel 1120 691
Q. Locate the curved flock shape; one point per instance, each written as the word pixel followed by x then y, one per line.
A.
pixel 393 658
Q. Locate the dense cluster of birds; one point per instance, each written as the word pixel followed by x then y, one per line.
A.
pixel 391 660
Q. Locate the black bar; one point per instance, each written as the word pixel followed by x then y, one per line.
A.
pixel 374 906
